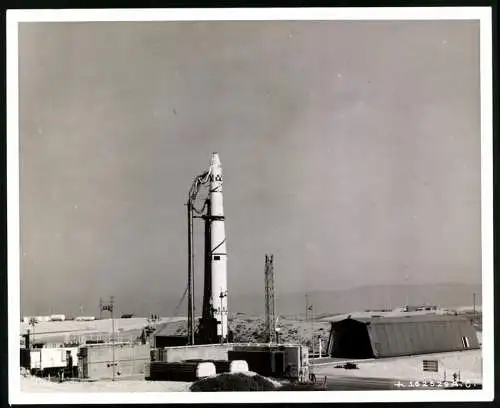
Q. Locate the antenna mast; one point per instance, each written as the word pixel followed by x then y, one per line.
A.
pixel 270 304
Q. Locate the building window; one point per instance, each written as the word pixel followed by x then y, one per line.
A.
pixel 465 342
pixel 216 258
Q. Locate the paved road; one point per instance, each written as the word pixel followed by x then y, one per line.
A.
pixel 334 360
pixel 341 383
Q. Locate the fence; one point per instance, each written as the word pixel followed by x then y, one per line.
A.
pixel 100 338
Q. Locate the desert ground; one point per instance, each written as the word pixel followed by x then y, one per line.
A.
pixel 66 331
pixel 467 363
pixel 35 384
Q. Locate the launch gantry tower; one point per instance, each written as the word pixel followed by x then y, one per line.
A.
pixel 270 317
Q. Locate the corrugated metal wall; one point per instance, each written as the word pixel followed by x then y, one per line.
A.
pixel 410 335
pixel 96 361
pixel 406 337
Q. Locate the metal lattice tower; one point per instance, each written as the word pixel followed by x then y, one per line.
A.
pixel 270 312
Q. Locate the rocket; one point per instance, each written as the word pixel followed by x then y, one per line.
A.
pixel 218 255
pixel 213 325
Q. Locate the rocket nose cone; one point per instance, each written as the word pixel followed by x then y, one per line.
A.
pixel 215 160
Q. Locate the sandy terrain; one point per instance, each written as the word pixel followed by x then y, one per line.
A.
pixel 35 384
pixel 127 329
pixel 249 329
pixel 469 363
pixel 103 325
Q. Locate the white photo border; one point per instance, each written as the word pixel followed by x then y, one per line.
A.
pixel 482 14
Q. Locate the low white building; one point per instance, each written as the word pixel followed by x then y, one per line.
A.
pixel 57 317
pixel 85 318
pixel 50 358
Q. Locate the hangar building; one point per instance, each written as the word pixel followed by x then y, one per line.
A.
pixel 376 337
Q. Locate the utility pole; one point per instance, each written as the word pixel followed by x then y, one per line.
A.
pixel 407 293
pixel 310 317
pixel 307 307
pixel 312 328
pixel 32 323
pixel 109 307
pixel 111 302
pixel 473 308
pixel 222 295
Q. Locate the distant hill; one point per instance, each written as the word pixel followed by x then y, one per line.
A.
pixel 361 298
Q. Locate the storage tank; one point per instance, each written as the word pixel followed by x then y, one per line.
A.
pixel 85 318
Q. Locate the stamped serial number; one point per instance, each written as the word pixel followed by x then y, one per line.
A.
pixel 433 384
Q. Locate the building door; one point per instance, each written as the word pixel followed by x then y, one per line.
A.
pixel 279 364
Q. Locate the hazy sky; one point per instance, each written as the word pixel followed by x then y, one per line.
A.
pixel 351 150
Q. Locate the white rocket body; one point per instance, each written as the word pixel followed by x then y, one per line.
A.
pixel 218 248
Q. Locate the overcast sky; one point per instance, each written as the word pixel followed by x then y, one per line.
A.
pixel 351 150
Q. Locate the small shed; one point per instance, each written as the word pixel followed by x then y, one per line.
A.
pixel 100 361
pixel 376 337
pixel 170 334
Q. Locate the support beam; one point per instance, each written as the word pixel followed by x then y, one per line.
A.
pixel 190 274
